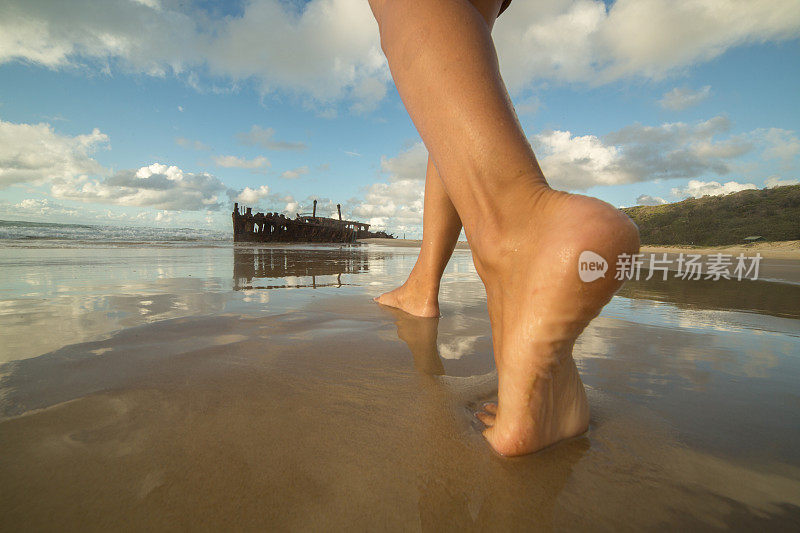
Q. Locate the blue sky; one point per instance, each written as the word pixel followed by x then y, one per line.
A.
pixel 160 112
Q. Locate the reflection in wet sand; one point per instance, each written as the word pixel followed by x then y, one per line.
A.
pixel 301 409
pixel 420 334
pixel 776 299
pixel 260 264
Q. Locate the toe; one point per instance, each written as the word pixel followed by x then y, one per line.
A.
pixel 486 418
pixel 490 407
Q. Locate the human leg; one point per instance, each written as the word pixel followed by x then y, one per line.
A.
pixel 524 236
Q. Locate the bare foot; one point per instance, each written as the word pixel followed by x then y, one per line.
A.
pixel 415 297
pixel 538 306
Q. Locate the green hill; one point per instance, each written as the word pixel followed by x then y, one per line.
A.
pixel 773 214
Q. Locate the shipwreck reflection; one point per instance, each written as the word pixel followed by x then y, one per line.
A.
pixel 284 267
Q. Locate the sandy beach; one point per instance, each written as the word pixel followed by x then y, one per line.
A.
pixel 252 388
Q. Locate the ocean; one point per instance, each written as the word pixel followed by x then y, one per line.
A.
pixel 20 233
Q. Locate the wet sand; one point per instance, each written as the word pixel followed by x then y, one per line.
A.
pixel 219 388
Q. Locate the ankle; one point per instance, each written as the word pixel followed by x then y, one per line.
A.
pixel 502 232
pixel 423 282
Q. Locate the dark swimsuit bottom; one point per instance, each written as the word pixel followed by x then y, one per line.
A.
pixel 503 7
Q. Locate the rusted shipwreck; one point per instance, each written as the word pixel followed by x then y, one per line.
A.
pixel 305 227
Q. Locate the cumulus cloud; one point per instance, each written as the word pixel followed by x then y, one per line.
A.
pixel 158 186
pixel 646 199
pixel 776 181
pixel 294 173
pixel 698 189
pixel 780 144
pixel 579 162
pixel 232 161
pixel 35 153
pixel 249 196
pixel 586 40
pixel 410 164
pixel 681 98
pixel 189 143
pixel 396 204
pixel 42 207
pixel 639 153
pixel 327 50
pixel 258 136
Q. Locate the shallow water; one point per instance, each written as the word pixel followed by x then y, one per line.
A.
pixel 212 387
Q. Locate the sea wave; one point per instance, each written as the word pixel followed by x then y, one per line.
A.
pixel 36 233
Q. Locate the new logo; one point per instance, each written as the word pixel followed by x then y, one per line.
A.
pixel 591 266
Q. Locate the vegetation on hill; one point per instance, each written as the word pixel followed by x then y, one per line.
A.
pixel 774 214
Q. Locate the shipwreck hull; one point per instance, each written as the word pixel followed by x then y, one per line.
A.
pixel 275 227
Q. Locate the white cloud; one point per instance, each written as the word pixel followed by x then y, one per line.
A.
pixel 294 173
pixel 188 143
pixel 35 153
pixel 252 196
pixel 328 50
pixel 159 186
pixel 639 153
pixel 152 4
pixel 325 51
pixel 164 217
pixel 410 164
pixel 396 204
pixel 258 136
pixel 579 162
pixel 698 189
pixel 681 98
pixel 367 94
pixel 652 37
pixel 42 207
pixel 232 161
pixel 583 40
pixel 776 181
pixel 780 144
pixel 646 199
